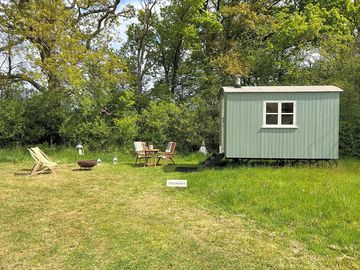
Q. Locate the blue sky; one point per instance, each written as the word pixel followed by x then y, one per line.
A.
pixel 125 2
pixel 125 23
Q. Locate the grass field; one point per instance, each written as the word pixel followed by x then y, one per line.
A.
pixel 124 217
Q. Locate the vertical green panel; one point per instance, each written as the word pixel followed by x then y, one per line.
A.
pixel 315 138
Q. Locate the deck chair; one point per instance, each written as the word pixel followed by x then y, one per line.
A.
pixel 139 151
pixel 42 162
pixel 168 154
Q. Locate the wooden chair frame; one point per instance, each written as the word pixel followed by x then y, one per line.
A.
pixel 139 151
pixel 168 154
pixel 42 162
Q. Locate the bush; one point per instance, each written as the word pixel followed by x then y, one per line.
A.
pixel 125 130
pixel 164 121
pixel 156 122
pixel 44 113
pixel 11 121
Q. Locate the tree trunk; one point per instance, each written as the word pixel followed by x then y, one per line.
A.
pixel 176 64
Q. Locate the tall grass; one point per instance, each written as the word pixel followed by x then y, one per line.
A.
pixel 318 205
pixel 62 154
pixel 16 154
pixel 70 155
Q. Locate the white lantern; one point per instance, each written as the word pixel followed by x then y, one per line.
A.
pixel 115 160
pixel 203 149
pixel 81 149
pixel 238 81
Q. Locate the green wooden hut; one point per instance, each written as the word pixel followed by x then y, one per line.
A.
pixel 280 122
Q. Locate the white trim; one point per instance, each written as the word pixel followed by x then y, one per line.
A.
pixel 279 114
pixel 278 126
pixel 282 89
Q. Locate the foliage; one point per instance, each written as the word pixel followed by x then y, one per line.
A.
pixel 56 39
pixel 43 115
pixel 11 120
pixel 178 33
pixel 61 72
pixel 158 122
pixel 94 133
pixel 125 121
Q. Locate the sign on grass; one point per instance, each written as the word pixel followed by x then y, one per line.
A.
pixel 176 183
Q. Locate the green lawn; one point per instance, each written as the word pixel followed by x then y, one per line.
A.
pixel 124 217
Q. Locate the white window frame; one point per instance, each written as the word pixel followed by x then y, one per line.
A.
pixel 279 113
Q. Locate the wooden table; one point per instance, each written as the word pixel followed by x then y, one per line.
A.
pixel 150 157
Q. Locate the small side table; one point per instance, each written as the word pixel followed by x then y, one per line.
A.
pixel 150 157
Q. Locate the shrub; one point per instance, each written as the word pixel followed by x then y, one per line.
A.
pixel 11 121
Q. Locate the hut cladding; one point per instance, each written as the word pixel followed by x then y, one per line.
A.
pixel 280 122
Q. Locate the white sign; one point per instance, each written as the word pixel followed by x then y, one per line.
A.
pixel 176 183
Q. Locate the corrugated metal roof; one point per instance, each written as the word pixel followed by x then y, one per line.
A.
pixel 279 89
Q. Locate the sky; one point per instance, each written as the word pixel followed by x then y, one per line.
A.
pixel 125 22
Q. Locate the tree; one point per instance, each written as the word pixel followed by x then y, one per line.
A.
pixel 54 39
pixel 140 43
pixel 178 35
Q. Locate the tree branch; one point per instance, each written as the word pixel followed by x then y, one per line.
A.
pixel 109 15
pixel 22 77
pixel 10 45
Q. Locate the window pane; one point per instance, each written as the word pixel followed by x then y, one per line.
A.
pixel 271 107
pixel 287 119
pixel 287 107
pixel 271 119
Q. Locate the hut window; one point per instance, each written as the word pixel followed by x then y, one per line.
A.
pixel 279 113
pixel 272 110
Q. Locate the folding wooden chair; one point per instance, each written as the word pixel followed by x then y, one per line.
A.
pixel 42 162
pixel 140 151
pixel 168 154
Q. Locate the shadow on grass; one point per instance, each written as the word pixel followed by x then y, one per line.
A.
pixel 26 172
pixel 277 163
pixel 21 174
pixel 81 170
pixel 233 164
pixel 185 168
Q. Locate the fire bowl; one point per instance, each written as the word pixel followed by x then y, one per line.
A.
pixel 88 164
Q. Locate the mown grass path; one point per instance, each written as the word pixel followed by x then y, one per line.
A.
pixel 124 217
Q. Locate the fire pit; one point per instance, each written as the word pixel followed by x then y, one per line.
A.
pixel 87 164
